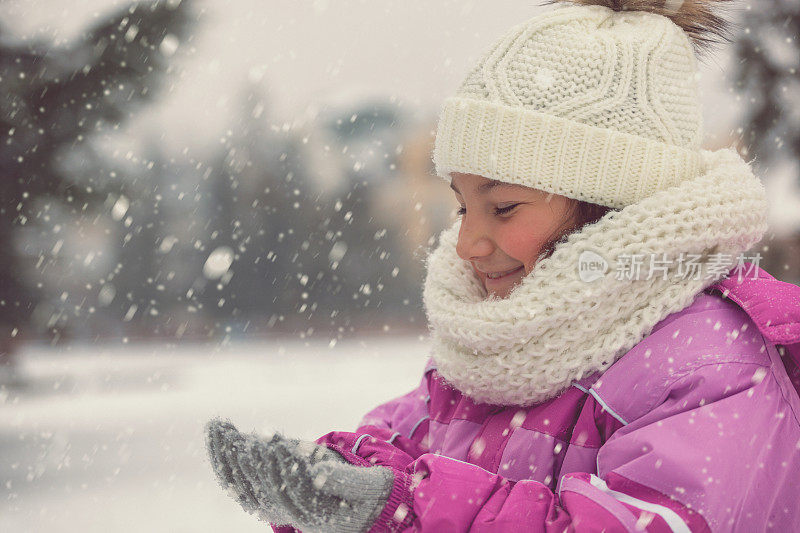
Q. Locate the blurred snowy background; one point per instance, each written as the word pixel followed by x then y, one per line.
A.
pixel 222 208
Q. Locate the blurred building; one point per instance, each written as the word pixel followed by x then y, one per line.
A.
pixel 416 205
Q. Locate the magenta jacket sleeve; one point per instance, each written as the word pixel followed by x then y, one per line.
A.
pixel 691 463
pixel 406 414
pixel 392 434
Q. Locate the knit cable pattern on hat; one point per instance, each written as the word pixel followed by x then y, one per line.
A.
pixel 554 328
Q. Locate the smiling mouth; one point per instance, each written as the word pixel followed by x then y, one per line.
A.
pixel 497 275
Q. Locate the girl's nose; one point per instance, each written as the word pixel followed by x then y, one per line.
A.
pixel 473 242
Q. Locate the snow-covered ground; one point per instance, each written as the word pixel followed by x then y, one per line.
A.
pixel 110 439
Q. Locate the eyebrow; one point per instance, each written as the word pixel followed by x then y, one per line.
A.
pixel 488 186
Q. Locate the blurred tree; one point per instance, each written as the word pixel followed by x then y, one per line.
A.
pixel 261 208
pixel 768 53
pixel 55 99
pixel 767 50
pixel 138 273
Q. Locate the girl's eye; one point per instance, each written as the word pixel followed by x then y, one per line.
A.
pixel 504 210
pixel 497 210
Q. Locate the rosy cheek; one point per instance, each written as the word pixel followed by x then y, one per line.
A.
pixel 524 245
pixel 527 252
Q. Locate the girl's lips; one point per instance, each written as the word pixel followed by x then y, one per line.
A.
pixel 508 273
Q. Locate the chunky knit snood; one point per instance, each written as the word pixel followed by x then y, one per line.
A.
pixel 554 327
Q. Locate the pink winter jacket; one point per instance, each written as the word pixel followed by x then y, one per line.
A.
pixel 695 428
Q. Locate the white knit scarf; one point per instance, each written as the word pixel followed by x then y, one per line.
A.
pixel 554 328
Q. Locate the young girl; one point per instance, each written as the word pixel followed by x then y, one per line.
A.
pixel 603 357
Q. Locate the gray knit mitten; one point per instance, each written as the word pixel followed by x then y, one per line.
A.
pixel 241 472
pixel 290 482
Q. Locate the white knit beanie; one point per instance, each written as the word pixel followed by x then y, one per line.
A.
pixel 585 101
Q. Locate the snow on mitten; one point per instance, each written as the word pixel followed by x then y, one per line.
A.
pixel 329 496
pixel 241 464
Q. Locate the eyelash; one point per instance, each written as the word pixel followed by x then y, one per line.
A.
pixel 497 211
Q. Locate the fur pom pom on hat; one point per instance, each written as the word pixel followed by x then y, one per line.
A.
pixel 695 17
pixel 597 101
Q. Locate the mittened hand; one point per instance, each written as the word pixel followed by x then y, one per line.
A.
pixel 242 471
pixel 290 482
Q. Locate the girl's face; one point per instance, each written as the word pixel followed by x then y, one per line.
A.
pixel 504 228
